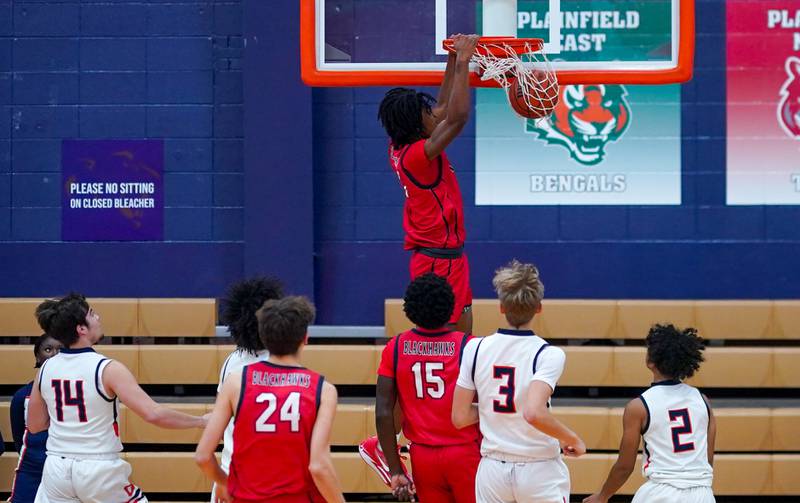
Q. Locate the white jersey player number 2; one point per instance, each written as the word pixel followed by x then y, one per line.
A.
pixel 681 416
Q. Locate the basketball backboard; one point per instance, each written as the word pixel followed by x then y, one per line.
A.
pixel 398 42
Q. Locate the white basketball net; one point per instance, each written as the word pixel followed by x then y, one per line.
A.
pixel 536 77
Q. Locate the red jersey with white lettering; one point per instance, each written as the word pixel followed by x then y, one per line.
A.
pixel 272 434
pixel 425 365
pixel 433 214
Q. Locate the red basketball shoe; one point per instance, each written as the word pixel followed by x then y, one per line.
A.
pixel 372 454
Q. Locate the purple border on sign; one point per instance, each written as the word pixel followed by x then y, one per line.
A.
pixel 112 190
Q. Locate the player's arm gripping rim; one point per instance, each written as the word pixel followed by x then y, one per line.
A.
pixel 633 421
pixel 446 89
pixel 385 399
pixel 457 100
pixel 538 415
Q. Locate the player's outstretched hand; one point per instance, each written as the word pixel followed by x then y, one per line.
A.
pixel 594 498
pixel 205 417
pixel 465 45
pixel 221 494
pixel 402 488
pixel 573 449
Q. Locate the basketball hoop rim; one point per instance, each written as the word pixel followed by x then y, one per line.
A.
pixel 498 46
pixel 315 75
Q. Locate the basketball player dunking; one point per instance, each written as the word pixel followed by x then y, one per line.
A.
pixel 420 128
pixel 675 422
pixel 514 372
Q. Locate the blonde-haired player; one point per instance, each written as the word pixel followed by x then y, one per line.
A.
pixel 514 373
pixel 675 422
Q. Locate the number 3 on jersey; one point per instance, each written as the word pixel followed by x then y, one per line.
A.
pixel 429 383
pixel 505 374
pixel 290 412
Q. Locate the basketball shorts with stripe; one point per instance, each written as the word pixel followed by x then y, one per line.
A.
pixel 87 481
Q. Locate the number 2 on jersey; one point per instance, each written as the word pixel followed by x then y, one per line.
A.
pixel 290 412
pixel 684 429
pixel 429 383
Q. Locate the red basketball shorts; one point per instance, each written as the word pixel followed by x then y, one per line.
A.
pixel 456 270
pixel 445 474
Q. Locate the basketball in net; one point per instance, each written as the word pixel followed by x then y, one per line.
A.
pixel 534 100
pixel 520 67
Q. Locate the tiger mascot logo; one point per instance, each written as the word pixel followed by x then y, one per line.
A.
pixel 789 106
pixel 585 120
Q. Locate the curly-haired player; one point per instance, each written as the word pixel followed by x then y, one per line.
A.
pixel 419 369
pixel 239 308
pixel 674 420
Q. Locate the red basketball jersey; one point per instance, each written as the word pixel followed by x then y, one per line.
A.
pixel 425 364
pixel 434 210
pixel 272 434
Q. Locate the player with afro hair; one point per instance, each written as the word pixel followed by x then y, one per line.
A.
pixel 428 301
pixel 414 391
pixel 239 310
pixel 676 354
pixel 675 422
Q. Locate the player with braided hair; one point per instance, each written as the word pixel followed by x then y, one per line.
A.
pixel 420 128
pixel 675 422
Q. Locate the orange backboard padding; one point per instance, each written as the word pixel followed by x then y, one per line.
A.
pixel 312 76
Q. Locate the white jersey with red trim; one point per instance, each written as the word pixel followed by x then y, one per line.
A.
pixel 234 362
pixel 676 436
pixel 500 368
pixel 83 419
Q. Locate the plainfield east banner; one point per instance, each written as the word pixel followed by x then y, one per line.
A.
pixel 603 144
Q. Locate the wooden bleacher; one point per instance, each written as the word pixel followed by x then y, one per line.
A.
pixel 631 319
pixel 741 429
pixel 725 367
pixel 123 317
pixel 759 446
